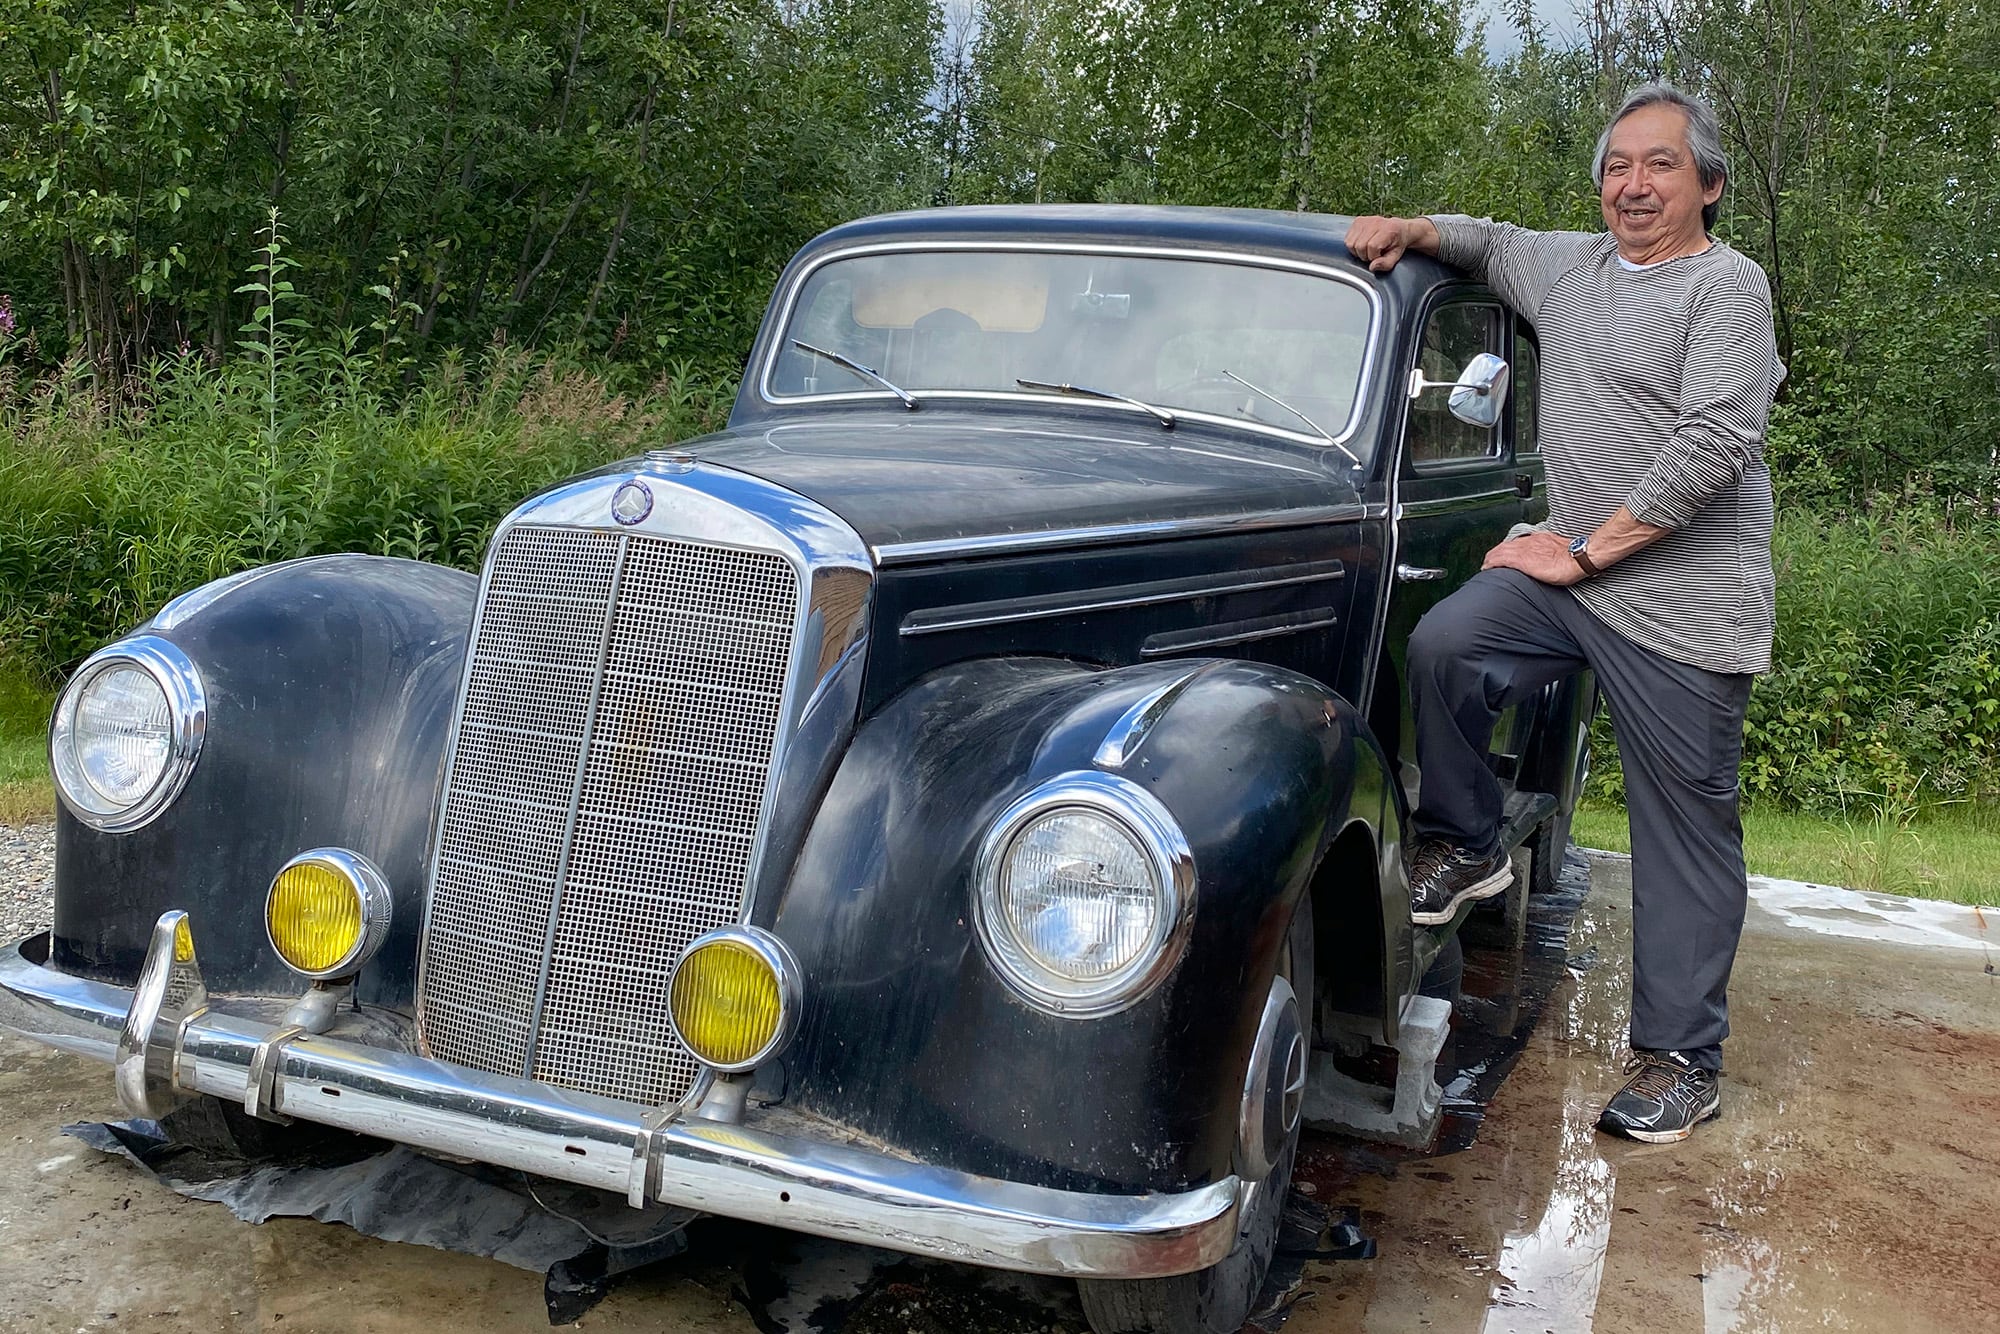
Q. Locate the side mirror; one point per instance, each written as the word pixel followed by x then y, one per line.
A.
pixel 1477 395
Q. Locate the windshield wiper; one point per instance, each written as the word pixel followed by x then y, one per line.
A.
pixel 1166 419
pixel 1324 434
pixel 867 371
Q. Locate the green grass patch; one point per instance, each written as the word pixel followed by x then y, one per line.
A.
pixel 25 792
pixel 1943 852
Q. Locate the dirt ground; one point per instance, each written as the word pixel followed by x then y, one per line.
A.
pixel 1853 1183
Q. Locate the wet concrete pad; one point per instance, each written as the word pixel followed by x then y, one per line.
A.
pixel 1852 1183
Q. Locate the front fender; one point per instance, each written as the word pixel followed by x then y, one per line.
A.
pixel 330 685
pixel 913 1039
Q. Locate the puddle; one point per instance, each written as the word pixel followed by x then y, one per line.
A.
pixel 1548 1275
pixel 1876 918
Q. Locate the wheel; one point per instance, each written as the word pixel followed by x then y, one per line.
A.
pixel 1218 1299
pixel 1550 840
pixel 1545 853
pixel 1446 975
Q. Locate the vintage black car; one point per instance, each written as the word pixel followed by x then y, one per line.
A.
pixel 957 807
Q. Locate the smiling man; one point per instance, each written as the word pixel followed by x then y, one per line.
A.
pixel 1658 366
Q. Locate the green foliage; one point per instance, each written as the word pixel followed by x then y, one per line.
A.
pixel 1884 696
pixel 620 176
pixel 108 511
pixel 268 268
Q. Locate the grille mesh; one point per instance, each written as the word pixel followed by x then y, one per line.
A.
pixel 687 691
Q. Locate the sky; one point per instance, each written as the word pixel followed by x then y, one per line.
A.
pixel 1559 17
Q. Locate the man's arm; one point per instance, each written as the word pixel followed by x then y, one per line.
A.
pixel 1727 383
pixel 1519 264
pixel 1544 556
pixel 1380 242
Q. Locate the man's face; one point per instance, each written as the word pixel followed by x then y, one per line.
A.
pixel 1652 192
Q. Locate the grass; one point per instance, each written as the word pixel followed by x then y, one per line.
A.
pixel 1947 852
pixel 25 792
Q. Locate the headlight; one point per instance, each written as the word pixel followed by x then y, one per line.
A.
pixel 126 733
pixel 734 997
pixel 1083 893
pixel 328 912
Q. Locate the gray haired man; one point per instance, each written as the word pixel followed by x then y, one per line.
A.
pixel 1658 366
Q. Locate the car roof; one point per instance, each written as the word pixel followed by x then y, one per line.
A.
pixel 1313 237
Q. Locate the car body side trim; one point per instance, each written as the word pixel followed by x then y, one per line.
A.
pixel 740 1171
pixel 1238 632
pixel 1003 544
pixel 1417 509
pixel 1007 611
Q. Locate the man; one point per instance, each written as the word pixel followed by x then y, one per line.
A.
pixel 1658 365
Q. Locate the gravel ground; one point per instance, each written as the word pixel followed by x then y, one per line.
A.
pixel 27 878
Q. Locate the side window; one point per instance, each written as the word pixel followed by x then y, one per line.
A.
pixel 1526 394
pixel 1453 336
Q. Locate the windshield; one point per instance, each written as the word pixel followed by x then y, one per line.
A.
pixel 1182 335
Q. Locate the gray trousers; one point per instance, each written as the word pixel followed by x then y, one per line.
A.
pixel 1498 640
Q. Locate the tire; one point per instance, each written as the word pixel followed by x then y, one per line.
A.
pixel 1546 847
pixel 1220 1298
pixel 1550 841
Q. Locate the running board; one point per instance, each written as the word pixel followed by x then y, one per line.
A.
pixel 1523 811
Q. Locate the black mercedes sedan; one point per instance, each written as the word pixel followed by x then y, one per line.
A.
pixel 957 807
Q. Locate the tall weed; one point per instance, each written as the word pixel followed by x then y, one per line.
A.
pixel 107 510
pixel 1884 692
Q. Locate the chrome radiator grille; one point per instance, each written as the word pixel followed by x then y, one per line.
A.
pixel 603 801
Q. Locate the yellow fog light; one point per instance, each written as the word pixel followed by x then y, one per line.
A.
pixel 734 997
pixel 328 912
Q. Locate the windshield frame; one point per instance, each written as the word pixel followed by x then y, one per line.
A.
pixel 1371 349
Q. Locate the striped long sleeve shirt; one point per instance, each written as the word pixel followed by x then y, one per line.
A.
pixel 1655 389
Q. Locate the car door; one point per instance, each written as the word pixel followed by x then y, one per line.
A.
pixel 1458 492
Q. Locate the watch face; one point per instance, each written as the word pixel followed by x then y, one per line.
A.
pixel 1576 547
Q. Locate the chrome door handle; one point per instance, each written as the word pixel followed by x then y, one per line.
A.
pixel 1417 574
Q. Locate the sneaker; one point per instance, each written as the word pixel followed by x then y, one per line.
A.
pixel 1444 878
pixel 1665 1098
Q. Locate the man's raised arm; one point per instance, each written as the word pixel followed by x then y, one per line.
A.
pixel 1519 264
pixel 1379 242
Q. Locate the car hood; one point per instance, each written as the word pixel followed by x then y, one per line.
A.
pixel 901 481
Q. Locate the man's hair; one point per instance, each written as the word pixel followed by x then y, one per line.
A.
pixel 1704 138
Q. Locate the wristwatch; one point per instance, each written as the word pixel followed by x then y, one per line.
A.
pixel 1579 551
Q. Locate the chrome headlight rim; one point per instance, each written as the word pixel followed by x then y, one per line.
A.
pixel 187 713
pixel 1140 815
pixel 784 966
pixel 378 909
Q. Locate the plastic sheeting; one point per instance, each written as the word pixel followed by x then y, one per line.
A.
pixel 577 1239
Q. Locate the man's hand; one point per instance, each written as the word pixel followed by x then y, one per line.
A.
pixel 1379 242
pixel 1543 557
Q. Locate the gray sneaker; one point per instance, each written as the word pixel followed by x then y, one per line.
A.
pixel 1444 878
pixel 1665 1098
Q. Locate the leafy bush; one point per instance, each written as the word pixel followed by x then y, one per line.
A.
pixel 1884 692
pixel 108 511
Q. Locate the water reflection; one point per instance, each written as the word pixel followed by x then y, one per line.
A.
pixel 1549 1275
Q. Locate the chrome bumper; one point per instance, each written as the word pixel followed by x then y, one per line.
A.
pixel 163 1043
